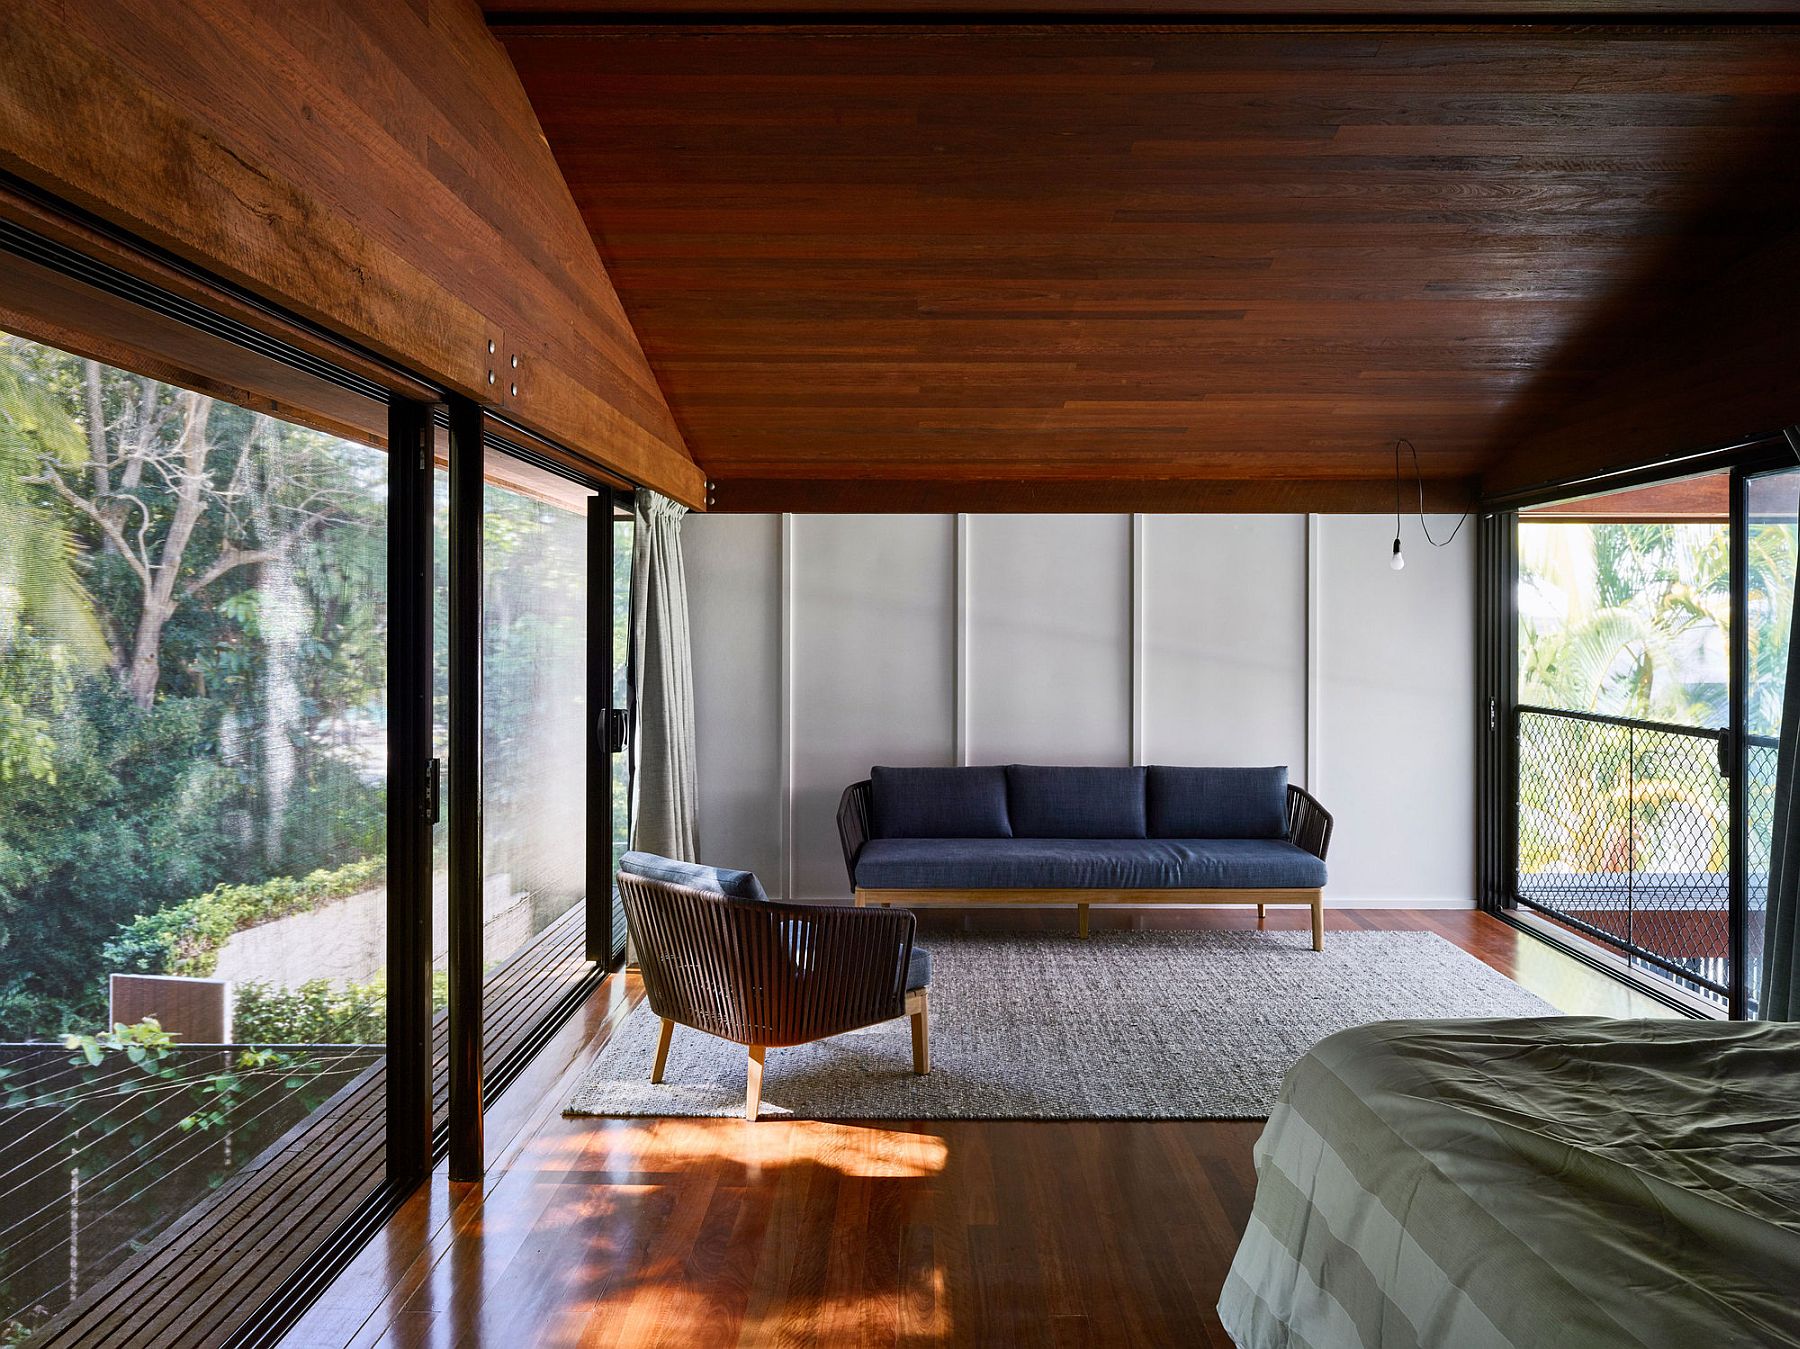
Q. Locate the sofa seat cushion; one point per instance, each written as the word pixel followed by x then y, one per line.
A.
pixel 1087 864
pixel 918 969
pixel 693 875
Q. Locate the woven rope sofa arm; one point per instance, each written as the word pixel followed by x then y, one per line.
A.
pixel 853 824
pixel 1309 823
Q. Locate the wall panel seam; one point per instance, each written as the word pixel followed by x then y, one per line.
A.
pixel 1139 524
pixel 1314 654
pixel 787 706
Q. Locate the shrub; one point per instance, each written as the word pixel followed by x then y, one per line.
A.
pixel 187 937
pixel 124 819
pixel 318 1013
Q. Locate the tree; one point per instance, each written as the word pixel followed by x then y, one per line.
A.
pixel 156 475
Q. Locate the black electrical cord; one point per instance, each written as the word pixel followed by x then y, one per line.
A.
pixel 1419 476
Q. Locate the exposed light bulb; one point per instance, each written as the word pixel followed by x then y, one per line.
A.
pixel 1398 561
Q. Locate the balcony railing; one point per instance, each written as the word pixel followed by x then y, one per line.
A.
pixel 1624 834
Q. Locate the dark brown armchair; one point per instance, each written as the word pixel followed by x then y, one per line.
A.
pixel 767 975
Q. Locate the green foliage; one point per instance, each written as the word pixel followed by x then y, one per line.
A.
pixel 186 938
pixel 127 819
pixel 262 752
pixel 318 1012
pixel 1633 619
pixel 39 580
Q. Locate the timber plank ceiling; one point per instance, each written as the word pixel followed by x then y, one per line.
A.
pixel 1188 267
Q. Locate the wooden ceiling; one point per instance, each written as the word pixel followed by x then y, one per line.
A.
pixel 1184 268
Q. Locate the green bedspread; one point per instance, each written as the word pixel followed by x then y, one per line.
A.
pixel 1557 1181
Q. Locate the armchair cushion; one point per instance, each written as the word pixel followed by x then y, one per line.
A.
pixel 918 969
pixel 939 803
pixel 1217 803
pixel 1075 802
pixel 713 880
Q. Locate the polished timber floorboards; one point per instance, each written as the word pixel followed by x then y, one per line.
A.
pixel 705 1232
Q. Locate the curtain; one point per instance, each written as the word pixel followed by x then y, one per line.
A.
pixel 664 791
pixel 1780 994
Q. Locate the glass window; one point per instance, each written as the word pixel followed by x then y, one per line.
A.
pixel 1624 825
pixel 535 735
pixel 1626 617
pixel 1772 508
pixel 193 718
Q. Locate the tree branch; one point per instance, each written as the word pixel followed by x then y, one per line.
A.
pixel 229 560
pixel 109 526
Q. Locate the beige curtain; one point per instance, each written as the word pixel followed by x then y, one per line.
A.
pixel 664 791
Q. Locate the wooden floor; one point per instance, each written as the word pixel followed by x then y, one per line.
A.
pixel 715 1232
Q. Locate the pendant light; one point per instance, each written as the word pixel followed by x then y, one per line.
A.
pixel 1397 561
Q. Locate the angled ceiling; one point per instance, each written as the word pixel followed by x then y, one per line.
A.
pixel 1187 267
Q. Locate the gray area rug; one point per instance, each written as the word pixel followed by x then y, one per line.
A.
pixel 1126 1025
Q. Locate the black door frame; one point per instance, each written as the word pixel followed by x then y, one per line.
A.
pixel 1497 696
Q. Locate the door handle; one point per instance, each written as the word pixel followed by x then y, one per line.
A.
pixel 615 729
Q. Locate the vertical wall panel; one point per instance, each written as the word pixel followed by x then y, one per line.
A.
pixel 734 605
pixel 1397 711
pixel 1049 633
pixel 1224 640
pixel 873 661
pixel 1223 675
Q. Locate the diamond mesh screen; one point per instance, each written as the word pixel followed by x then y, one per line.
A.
pixel 1624 829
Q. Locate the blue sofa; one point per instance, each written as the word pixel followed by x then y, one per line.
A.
pixel 1029 834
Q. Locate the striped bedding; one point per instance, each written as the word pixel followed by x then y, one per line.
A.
pixel 1556 1181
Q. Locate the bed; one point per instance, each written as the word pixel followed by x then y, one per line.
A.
pixel 1563 1181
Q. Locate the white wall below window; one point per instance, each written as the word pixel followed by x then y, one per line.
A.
pixel 824 644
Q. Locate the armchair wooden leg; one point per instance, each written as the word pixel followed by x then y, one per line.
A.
pixel 1081 920
pixel 1260 913
pixel 1318 917
pixel 918 1006
pixel 753 1092
pixel 662 1050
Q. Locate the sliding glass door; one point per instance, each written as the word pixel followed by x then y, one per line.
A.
pixel 194 906
pixel 535 728
pixel 1651 653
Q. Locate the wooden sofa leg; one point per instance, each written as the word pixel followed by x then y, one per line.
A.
pixel 918 1006
pixel 1261 913
pixel 1318 917
pixel 1081 920
pixel 753 1087
pixel 662 1050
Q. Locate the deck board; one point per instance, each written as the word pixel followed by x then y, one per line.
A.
pixel 207 1273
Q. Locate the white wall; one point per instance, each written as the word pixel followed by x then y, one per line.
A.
pixel 1048 634
pixel 1396 709
pixel 824 644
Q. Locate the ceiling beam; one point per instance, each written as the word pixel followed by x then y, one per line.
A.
pixel 1110 495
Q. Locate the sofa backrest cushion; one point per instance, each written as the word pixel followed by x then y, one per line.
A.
pixel 938 803
pixel 1075 802
pixel 714 880
pixel 1217 802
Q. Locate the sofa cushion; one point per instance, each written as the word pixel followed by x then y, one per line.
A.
pixel 1217 803
pixel 1087 864
pixel 715 880
pixel 938 803
pixel 1075 802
